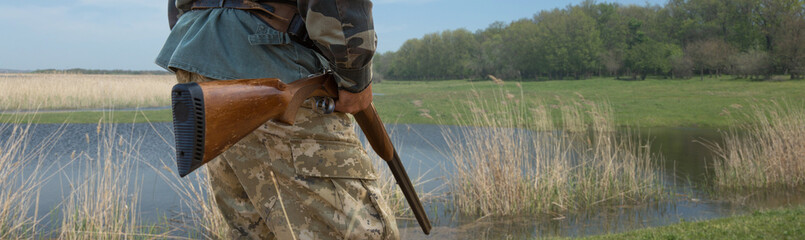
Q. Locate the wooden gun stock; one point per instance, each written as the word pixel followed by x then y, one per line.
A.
pixel 210 117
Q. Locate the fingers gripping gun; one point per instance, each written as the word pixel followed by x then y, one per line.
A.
pixel 210 117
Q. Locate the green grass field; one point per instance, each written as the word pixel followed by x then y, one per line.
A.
pixel 647 103
pixel 654 102
pixel 788 223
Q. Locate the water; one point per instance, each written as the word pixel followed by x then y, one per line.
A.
pixel 423 151
pixel 685 170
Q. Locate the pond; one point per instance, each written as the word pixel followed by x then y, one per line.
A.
pixel 422 149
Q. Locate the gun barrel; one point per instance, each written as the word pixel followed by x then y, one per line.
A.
pixel 410 194
pixel 377 136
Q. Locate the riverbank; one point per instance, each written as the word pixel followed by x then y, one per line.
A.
pixel 649 103
pixel 783 223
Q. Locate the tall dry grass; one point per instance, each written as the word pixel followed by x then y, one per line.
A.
pixel 103 202
pixel 516 162
pixel 767 152
pixel 203 220
pixel 19 194
pixel 82 91
pixel 198 216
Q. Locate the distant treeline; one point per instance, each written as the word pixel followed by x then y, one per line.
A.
pixel 99 71
pixel 748 38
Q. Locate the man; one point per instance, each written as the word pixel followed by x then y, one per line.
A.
pixel 312 180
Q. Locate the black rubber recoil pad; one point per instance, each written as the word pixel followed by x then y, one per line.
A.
pixel 187 101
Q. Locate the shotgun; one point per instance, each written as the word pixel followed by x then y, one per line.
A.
pixel 210 117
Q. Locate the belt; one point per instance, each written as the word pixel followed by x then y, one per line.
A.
pixel 277 15
pixel 283 17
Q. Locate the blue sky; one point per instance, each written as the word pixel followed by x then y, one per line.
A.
pixel 127 34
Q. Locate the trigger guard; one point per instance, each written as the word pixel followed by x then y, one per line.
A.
pixel 324 105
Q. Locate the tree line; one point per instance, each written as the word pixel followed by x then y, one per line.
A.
pixel 683 38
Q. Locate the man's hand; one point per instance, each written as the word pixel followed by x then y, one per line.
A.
pixel 352 103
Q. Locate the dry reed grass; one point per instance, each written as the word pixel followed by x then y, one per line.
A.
pixel 766 153
pixel 199 215
pixel 517 163
pixel 20 188
pixel 103 202
pixel 80 91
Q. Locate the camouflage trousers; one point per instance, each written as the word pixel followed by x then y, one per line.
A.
pixel 312 180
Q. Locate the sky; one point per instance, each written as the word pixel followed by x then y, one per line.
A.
pixel 128 34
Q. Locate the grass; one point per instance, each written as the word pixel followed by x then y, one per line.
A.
pixel 768 152
pixel 20 188
pixel 650 103
pixel 99 206
pixel 508 169
pixel 79 91
pixel 102 197
pixel 787 223
pixel 200 216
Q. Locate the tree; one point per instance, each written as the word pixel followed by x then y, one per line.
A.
pixel 406 63
pixel 650 56
pixel 381 63
pixel 458 52
pixel 607 38
pixel 790 46
pixel 522 48
pixel 681 66
pixel 612 61
pixel 491 58
pixel 711 54
pixel 571 41
pixel 750 64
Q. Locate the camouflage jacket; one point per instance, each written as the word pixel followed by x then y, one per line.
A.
pixel 344 32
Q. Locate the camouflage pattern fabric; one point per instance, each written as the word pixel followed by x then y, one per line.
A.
pixel 312 180
pixel 344 32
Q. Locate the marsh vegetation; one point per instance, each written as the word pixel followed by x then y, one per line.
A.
pixel 523 162
pixel 83 91
pixel 767 152
pixel 512 154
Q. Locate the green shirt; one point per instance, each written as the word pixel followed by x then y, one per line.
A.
pixel 233 44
